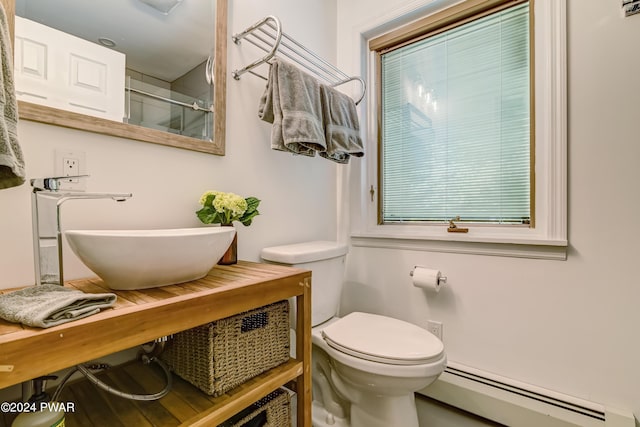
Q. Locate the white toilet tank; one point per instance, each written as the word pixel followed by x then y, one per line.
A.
pixel 326 261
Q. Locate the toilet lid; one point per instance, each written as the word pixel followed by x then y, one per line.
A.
pixel 383 339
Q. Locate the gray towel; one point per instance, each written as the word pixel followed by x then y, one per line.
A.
pixel 11 160
pixel 292 102
pixel 342 129
pixel 49 305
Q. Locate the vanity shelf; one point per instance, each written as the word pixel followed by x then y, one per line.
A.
pixel 143 315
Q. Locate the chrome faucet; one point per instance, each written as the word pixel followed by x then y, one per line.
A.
pixel 47 243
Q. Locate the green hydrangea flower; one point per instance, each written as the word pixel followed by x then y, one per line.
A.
pixel 223 208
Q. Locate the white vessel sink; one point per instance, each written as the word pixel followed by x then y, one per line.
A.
pixel 139 259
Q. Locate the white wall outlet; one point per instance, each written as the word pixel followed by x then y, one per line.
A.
pixel 435 328
pixel 71 163
pixel 71 167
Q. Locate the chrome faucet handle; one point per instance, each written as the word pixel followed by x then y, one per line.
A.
pixel 51 183
pixel 47 243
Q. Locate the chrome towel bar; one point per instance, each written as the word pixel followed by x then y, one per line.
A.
pixel 268 36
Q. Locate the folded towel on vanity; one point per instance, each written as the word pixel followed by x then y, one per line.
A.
pixel 292 101
pixel 342 129
pixel 12 171
pixel 49 305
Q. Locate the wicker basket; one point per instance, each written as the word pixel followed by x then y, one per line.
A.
pixel 273 410
pixel 221 355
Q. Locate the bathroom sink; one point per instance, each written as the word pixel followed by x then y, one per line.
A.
pixel 139 259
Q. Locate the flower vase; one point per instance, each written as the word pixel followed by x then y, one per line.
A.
pixel 231 255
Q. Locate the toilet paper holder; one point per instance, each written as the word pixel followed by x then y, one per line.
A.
pixel 441 280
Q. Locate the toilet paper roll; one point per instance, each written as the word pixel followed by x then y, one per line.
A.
pixel 427 278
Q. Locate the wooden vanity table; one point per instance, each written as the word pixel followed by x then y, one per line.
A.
pixel 144 315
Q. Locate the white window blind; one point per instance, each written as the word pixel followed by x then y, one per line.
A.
pixel 456 137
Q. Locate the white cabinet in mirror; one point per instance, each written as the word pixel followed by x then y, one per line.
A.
pixel 59 70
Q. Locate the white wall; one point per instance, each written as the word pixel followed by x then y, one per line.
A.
pixel 297 193
pixel 569 326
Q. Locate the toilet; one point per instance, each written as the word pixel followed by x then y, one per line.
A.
pixel 365 367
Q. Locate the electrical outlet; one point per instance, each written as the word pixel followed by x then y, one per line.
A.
pixel 435 328
pixel 71 167
pixel 71 163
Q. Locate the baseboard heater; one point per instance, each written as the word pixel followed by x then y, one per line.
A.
pixel 518 404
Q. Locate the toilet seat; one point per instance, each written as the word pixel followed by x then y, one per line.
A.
pixel 383 339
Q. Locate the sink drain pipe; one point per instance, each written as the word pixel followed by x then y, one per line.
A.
pixel 145 358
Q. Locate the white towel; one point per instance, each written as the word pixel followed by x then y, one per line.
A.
pixel 342 129
pixel 292 101
pixel 49 305
pixel 11 160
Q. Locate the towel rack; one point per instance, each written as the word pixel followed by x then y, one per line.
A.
pixel 268 36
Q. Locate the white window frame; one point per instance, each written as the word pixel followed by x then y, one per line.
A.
pixel 548 239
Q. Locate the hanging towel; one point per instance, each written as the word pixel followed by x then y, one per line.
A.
pixel 49 305
pixel 11 160
pixel 342 129
pixel 292 101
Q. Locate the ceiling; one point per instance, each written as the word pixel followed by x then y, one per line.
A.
pixel 163 46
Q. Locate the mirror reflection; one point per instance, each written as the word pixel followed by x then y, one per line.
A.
pixel 142 62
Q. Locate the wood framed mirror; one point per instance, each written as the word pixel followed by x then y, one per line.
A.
pixel 54 116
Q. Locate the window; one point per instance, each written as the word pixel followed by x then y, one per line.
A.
pixel 439 158
pixel 455 123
